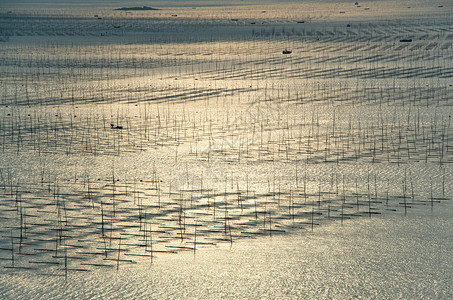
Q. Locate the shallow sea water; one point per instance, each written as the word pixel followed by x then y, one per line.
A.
pixel 179 154
pixel 398 257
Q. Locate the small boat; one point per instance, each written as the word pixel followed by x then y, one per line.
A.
pixel 286 51
pixel 112 126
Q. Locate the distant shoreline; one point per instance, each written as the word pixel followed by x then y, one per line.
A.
pixel 137 8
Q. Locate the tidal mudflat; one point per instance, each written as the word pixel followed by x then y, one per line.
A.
pixel 226 150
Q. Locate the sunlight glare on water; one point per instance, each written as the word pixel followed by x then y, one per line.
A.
pixel 182 153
